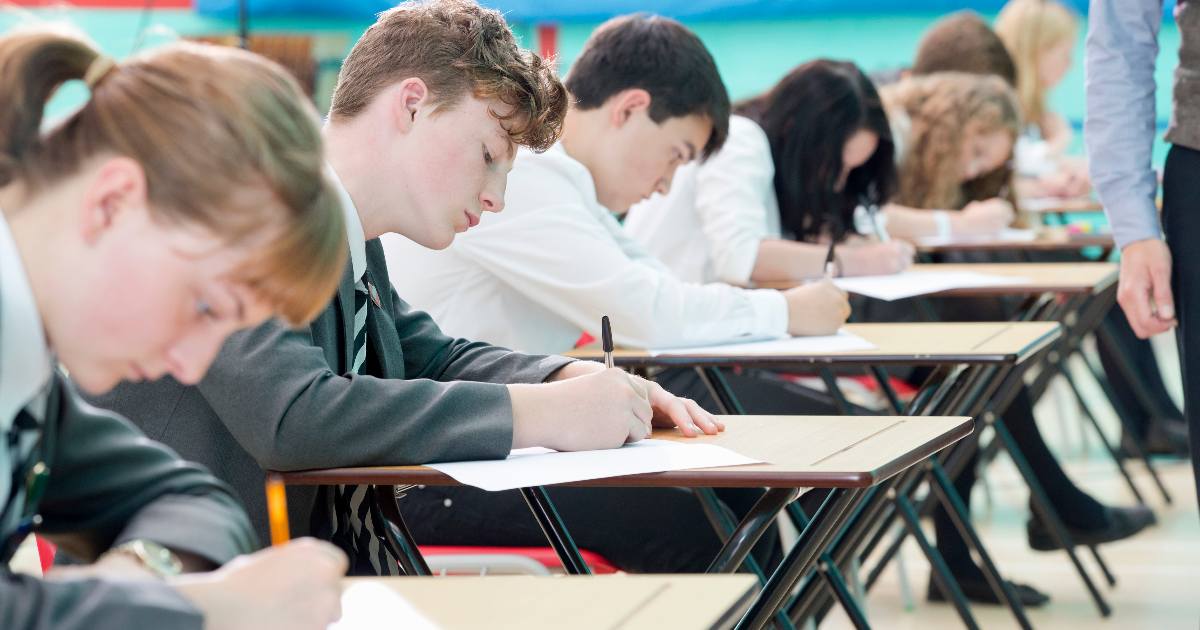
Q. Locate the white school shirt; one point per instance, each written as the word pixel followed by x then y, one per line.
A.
pixel 537 275
pixel 25 359
pixel 708 228
pixel 354 229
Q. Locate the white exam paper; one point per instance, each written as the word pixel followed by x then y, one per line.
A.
pixel 914 283
pixel 526 467
pixel 1007 235
pixel 842 341
pixel 372 606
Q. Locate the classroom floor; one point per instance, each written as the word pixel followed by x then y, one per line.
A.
pixel 1158 571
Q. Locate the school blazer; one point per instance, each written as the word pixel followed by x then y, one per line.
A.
pixel 108 484
pixel 280 399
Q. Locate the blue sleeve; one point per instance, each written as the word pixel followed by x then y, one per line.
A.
pixel 1122 45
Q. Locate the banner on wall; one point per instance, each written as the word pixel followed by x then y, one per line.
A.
pixel 594 10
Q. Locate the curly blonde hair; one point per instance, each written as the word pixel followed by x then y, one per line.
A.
pixel 945 109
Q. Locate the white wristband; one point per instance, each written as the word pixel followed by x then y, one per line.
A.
pixel 941 221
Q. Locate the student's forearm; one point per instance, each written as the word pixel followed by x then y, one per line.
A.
pixel 787 261
pixel 27 602
pixel 575 369
pixel 909 223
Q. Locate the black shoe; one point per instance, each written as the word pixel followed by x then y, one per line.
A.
pixel 1119 523
pixel 978 591
pixel 1166 436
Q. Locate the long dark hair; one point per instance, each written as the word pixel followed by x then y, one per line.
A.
pixel 808 117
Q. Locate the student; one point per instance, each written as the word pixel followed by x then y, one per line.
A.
pixel 954 135
pixel 1041 35
pixel 945 110
pixel 420 137
pixel 646 99
pixel 127 254
pixel 765 206
pixel 556 259
pixel 964 42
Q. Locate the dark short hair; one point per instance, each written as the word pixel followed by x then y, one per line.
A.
pixel 808 117
pixel 963 42
pixel 661 56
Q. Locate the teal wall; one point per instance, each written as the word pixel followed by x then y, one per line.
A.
pixel 750 54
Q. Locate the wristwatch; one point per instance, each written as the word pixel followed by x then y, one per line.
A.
pixel 154 557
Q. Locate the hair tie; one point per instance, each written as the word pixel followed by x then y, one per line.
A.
pixel 100 67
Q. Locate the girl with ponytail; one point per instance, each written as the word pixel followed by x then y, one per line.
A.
pixel 183 201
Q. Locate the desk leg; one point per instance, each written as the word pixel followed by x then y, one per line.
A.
pixel 719 389
pixel 800 559
pixel 724 524
pixel 839 399
pixel 944 488
pixel 1108 446
pixel 1045 511
pixel 837 582
pixel 1137 444
pixel 828 567
pixel 555 530
pixel 397 536
pixel 885 386
pixel 941 571
pixel 750 530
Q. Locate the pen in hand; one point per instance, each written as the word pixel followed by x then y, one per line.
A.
pixel 829 264
pixel 606 341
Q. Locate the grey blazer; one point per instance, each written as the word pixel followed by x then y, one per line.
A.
pixel 281 399
pixel 108 484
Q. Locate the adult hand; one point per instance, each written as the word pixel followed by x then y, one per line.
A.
pixel 1144 289
pixel 819 308
pixel 293 586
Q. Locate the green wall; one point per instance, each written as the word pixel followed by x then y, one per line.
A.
pixel 750 54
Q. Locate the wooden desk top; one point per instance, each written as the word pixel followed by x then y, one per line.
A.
pixel 1082 278
pixel 800 451
pixel 583 602
pixel 910 343
pixel 1050 241
pixel 1050 205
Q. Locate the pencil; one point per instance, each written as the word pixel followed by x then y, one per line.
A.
pixel 829 266
pixel 880 231
pixel 277 510
pixel 606 340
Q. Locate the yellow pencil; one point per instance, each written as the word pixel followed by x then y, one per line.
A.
pixel 277 510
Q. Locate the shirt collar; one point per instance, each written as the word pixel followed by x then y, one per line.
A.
pixel 25 360
pixel 354 227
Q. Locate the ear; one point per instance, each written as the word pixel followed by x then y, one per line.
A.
pixel 624 104
pixel 115 192
pixel 408 98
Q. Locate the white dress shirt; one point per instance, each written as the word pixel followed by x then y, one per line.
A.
pixel 709 227
pixel 538 274
pixel 354 228
pixel 25 360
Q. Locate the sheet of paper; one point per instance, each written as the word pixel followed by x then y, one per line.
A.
pixel 1007 235
pixel 527 467
pixel 840 342
pixel 914 283
pixel 1041 204
pixel 371 606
